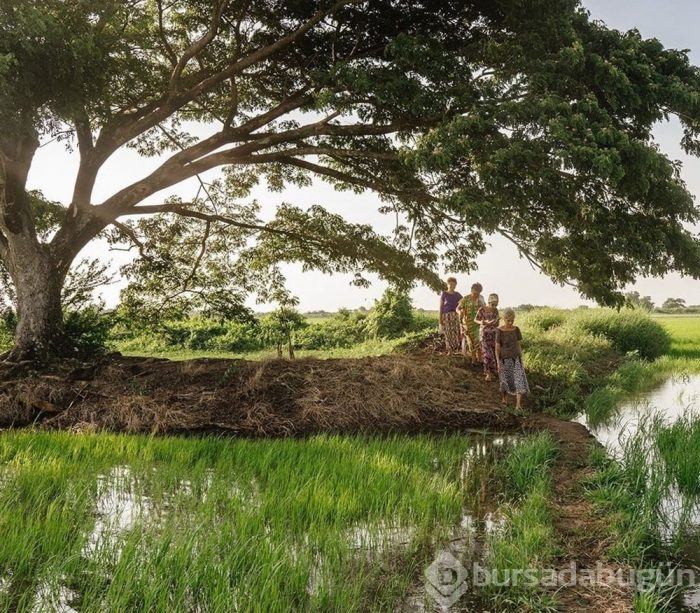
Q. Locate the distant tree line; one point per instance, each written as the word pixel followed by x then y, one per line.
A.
pixel 671 305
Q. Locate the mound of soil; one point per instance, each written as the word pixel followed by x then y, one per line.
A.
pixel 393 393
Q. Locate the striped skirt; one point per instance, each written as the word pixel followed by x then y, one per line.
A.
pixel 512 377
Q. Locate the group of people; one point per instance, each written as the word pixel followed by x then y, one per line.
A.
pixel 470 324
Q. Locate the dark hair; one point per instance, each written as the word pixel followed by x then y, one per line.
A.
pixel 451 279
pixel 477 286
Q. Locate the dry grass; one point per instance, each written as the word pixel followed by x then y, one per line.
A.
pixel 390 393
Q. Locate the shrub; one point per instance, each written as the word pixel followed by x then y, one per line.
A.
pixel 543 319
pixel 628 330
pixel 344 330
pixel 238 338
pixel 564 364
pixel 88 329
pixel 568 354
pixel 392 315
pixel 424 321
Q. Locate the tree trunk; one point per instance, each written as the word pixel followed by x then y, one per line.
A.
pixel 39 332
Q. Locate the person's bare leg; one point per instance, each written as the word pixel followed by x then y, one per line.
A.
pixel 504 398
pixel 518 401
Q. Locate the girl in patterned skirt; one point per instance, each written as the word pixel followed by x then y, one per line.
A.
pixel 449 319
pixel 467 309
pixel 509 356
pixel 487 318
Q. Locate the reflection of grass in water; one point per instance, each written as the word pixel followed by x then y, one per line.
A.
pixel 239 521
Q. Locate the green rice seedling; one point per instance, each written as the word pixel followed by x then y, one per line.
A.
pixel 116 522
pixel 678 445
pixel 527 463
pixel 526 539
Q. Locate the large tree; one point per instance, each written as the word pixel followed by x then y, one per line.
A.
pixel 468 117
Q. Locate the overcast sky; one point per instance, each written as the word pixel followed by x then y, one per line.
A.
pixel 674 22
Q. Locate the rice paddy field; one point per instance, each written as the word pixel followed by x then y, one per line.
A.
pixel 110 522
pixel 126 523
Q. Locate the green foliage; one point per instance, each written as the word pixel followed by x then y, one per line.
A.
pixel 673 304
pixel 344 330
pixel 202 510
pixel 527 539
pixel 634 301
pixel 627 330
pixel 279 328
pixel 88 329
pixel 527 462
pixel 679 447
pixel 469 119
pixel 392 314
pixel 569 354
pixel 542 319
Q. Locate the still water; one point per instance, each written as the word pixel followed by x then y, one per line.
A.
pixel 676 397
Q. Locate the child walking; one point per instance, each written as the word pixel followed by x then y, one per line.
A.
pixel 487 317
pixel 509 357
pixel 467 309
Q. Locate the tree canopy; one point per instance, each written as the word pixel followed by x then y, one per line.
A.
pixel 467 117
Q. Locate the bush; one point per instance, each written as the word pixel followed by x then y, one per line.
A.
pixel 628 330
pixel 238 338
pixel 88 329
pixel 391 316
pixel 192 333
pixel 569 354
pixel 564 364
pixel 543 319
pixel 424 321
pixel 344 330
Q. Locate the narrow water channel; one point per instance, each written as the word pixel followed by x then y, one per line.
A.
pixel 675 398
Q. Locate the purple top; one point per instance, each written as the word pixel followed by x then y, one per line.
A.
pixel 449 302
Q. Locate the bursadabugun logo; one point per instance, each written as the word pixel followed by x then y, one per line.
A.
pixel 445 579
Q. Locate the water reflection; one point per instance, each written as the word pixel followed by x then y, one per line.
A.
pixel 468 540
pixel 678 396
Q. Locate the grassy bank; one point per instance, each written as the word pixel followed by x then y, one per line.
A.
pixel 650 489
pixel 574 357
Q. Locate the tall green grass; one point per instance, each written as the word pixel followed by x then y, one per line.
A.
pixel 571 354
pixel 136 523
pixel 526 539
pixel 649 492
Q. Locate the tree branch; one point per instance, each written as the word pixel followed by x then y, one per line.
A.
pixel 126 127
pixel 181 209
pixel 197 47
pixel 129 232
pixel 202 251
pixel 169 52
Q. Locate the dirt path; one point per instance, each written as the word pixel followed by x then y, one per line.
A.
pixel 579 529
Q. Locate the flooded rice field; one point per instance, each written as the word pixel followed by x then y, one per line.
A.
pixel 662 430
pixel 111 522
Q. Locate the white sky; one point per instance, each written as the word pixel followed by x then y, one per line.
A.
pixel 500 270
